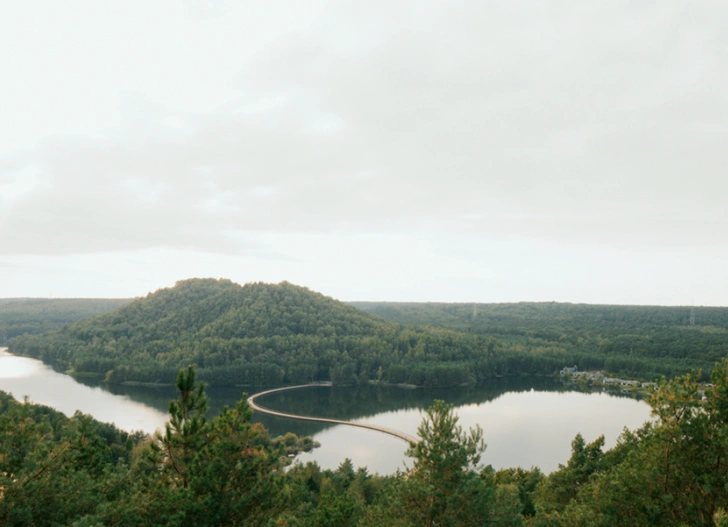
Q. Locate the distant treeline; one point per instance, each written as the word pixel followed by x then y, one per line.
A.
pixel 20 316
pixel 638 341
pixel 264 334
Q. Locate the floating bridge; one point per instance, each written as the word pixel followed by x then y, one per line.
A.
pixel 256 407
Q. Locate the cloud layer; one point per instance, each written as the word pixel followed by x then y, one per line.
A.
pixel 220 128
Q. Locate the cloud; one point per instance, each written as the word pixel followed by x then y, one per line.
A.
pixel 596 123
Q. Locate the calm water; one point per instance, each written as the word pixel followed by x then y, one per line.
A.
pixel 526 422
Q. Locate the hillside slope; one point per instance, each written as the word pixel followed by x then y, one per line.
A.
pixel 255 334
pixel 19 316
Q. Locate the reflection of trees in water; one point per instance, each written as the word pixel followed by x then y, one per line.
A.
pixel 364 401
pixel 346 403
pixel 157 397
pixel 356 402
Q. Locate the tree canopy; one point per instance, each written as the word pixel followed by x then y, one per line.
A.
pixel 21 316
pixel 272 334
pixel 637 341
pixel 252 335
pixel 225 470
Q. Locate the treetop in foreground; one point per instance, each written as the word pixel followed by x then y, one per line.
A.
pixel 224 471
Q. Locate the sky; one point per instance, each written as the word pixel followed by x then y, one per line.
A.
pixel 463 151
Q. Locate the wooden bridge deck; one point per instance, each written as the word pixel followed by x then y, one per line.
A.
pixel 256 407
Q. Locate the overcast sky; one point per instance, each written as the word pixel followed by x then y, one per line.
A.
pixel 516 150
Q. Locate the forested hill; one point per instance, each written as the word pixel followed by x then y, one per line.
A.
pixel 257 334
pixel 625 339
pixel 269 334
pixel 19 316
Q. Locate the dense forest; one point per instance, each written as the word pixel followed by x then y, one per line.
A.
pixel 638 341
pixel 270 334
pixel 261 334
pixel 56 470
pixel 20 316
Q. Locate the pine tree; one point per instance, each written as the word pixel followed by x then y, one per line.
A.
pixel 185 432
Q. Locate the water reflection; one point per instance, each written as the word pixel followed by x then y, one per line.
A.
pixel 17 367
pixel 526 422
pixel 522 426
pixel 28 377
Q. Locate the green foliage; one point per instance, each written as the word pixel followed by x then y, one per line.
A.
pixel 60 471
pixel 525 481
pixel 632 341
pixel 290 444
pixel 257 334
pixel 443 487
pixel 442 480
pixel 263 334
pixel 185 432
pixel 21 316
pixel 445 452
pixel 225 471
pixel 56 470
pixel 334 498
pixel 669 473
pixel 557 491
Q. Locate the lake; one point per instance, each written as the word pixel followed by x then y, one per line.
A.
pixel 526 421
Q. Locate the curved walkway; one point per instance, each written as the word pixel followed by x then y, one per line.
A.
pixel 257 408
